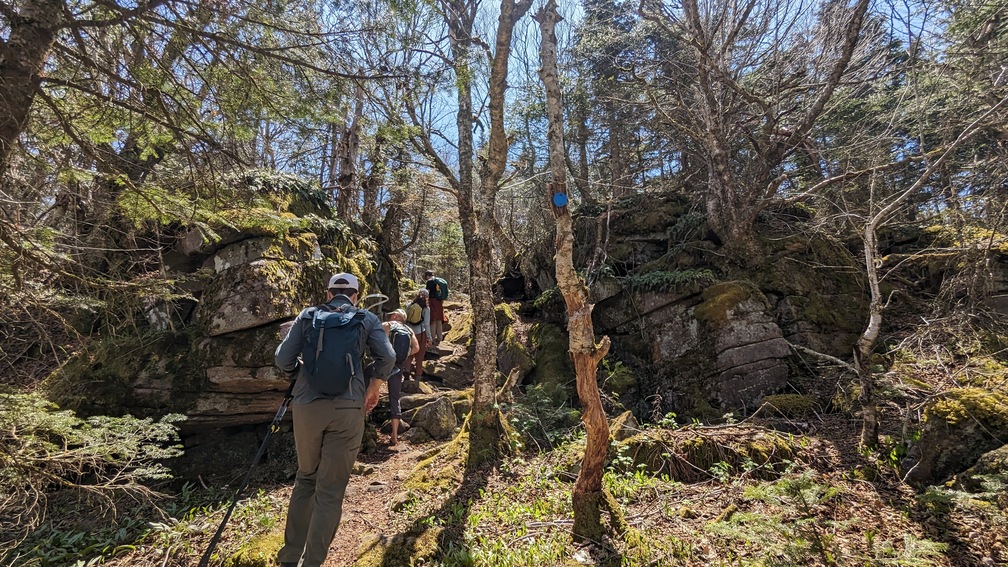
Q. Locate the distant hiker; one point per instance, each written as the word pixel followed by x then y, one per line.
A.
pixel 405 344
pixel 418 319
pixel 437 288
pixel 331 397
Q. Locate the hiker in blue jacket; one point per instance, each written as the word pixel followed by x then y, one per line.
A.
pixel 328 427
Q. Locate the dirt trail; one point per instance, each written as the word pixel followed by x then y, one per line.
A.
pixel 366 507
pixel 368 497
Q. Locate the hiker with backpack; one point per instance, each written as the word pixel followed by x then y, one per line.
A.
pixel 418 320
pixel 405 344
pixel 324 348
pixel 437 289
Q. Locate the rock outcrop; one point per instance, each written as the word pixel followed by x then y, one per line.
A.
pixel 958 429
pixel 703 334
pixel 208 352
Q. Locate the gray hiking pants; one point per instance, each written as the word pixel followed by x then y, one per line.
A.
pixel 327 435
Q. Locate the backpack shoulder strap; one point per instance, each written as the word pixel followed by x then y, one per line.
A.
pixel 323 311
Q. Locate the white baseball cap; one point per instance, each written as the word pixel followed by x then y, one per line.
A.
pixel 343 280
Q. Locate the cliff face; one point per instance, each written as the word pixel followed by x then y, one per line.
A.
pixel 205 348
pixel 706 335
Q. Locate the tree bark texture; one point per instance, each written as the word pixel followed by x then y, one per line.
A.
pixel 587 497
pixel 349 147
pixel 32 34
pixel 476 204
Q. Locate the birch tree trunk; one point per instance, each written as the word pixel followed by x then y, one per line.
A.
pixel 588 497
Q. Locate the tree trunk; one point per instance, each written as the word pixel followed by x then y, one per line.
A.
pixel 485 422
pixel 587 497
pixel 22 55
pixel 582 175
pixel 372 184
pixel 866 343
pixel 349 148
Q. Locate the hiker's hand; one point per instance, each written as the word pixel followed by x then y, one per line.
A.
pixel 371 396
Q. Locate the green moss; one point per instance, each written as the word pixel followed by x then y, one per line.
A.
pixel 514 353
pixel 257 551
pixel 553 376
pixel 402 550
pixel 948 236
pixel 988 408
pixel 987 373
pixel 258 221
pixel 789 405
pixel 687 455
pixel 442 470
pixel 505 317
pixel 720 299
pixel 102 378
pixel 461 331
pixel 642 214
pixel 549 300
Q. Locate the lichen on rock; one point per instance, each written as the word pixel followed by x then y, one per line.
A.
pixel 958 428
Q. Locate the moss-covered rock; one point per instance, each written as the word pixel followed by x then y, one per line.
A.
pixel 623 426
pixel 959 427
pixel 222 381
pixel 147 375
pixel 436 420
pixel 505 316
pixel 402 550
pixel 461 327
pixel 257 551
pixel 722 299
pixel 302 247
pixel 512 355
pixel 553 376
pixel 787 405
pixel 989 474
pixel 265 291
pixel 690 455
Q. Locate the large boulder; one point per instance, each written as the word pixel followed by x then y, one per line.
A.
pixel 215 382
pixel 989 474
pixel 749 348
pixel 264 291
pixel 436 421
pixel 455 370
pixel 711 353
pixel 822 309
pixel 298 248
pixel 958 428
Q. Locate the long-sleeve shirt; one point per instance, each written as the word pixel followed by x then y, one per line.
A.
pixel 373 337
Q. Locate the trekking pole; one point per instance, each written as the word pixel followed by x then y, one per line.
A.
pixel 274 426
pixel 384 299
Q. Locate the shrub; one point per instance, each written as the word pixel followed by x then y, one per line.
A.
pixel 48 456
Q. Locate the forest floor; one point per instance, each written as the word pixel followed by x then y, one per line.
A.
pixel 827 504
pixel 821 501
pixel 819 511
